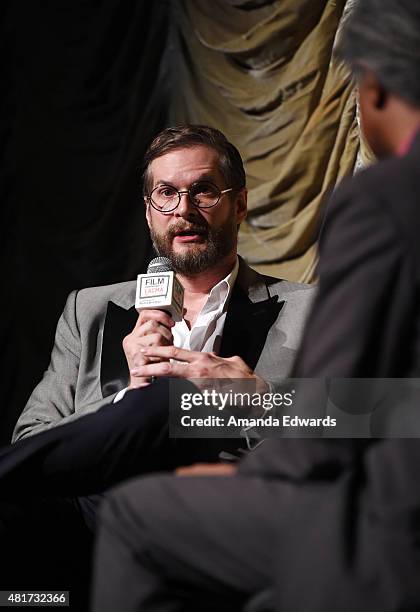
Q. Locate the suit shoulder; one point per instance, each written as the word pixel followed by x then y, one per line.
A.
pixel 386 181
pixel 298 295
pixel 107 290
pixel 89 298
pixel 381 199
pixel 285 286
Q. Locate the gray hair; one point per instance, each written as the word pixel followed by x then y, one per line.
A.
pixel 384 36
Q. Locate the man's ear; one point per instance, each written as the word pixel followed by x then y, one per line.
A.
pixel 382 97
pixel 376 92
pixel 147 206
pixel 241 205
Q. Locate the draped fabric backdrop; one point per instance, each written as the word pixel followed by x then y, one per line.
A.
pixel 262 72
pixel 87 83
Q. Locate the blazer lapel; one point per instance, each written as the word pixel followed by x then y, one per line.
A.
pixel 251 314
pixel 114 370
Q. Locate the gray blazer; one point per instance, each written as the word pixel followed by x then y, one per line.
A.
pixel 264 325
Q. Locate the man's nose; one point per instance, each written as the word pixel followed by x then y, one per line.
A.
pixel 185 207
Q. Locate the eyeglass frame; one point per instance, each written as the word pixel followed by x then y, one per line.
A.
pixel 187 191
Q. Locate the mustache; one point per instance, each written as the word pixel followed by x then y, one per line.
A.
pixel 178 228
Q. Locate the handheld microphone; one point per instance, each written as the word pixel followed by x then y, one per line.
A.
pixel 160 289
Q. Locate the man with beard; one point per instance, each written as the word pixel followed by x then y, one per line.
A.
pixel 236 322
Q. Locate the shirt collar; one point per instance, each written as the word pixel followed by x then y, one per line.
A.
pixel 220 293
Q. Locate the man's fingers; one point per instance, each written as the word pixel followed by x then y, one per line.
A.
pixel 138 383
pixel 160 368
pixel 192 364
pixel 155 315
pixel 150 328
pixel 172 352
pixel 207 469
pixel 138 361
pixel 156 339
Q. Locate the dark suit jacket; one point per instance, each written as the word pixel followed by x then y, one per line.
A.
pixel 350 542
pixel 365 321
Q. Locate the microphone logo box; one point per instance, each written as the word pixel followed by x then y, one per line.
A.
pixel 161 290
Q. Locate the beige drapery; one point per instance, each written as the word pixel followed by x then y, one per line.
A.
pixel 262 72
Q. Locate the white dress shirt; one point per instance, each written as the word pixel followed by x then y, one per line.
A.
pixel 206 333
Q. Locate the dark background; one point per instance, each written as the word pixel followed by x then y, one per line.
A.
pixel 84 91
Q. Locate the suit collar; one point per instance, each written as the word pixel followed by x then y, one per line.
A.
pixel 119 322
pixel 252 283
pixel 250 316
pixel 126 299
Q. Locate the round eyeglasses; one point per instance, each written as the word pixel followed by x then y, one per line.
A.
pixel 202 194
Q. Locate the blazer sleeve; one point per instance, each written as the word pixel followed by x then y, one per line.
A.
pixel 53 400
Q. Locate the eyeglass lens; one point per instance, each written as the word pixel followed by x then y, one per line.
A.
pixel 202 195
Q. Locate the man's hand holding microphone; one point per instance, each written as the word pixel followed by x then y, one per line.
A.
pixel 153 328
pixel 159 301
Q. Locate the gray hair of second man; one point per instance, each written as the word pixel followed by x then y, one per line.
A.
pixel 183 136
pixel 384 37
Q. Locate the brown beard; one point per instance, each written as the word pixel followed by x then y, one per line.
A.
pixel 220 242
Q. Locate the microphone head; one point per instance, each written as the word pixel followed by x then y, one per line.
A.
pixel 159 264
